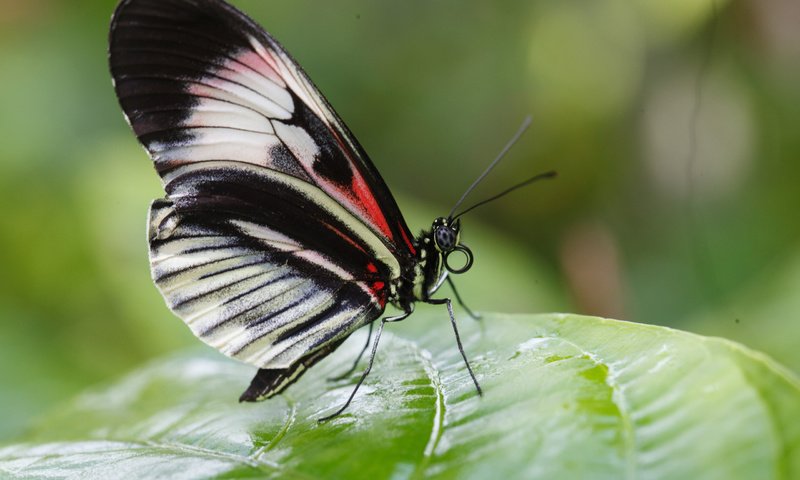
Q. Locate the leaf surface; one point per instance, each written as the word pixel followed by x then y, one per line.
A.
pixel 565 397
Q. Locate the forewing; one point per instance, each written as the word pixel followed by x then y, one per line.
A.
pixel 200 82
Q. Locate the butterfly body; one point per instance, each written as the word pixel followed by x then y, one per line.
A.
pixel 277 237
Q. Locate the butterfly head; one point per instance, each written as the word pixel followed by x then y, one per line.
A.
pixel 446 233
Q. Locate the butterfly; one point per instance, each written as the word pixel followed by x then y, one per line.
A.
pixel 277 237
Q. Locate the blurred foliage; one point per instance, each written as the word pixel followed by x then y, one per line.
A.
pixel 672 125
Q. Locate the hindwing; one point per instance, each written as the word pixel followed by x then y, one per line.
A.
pixel 252 293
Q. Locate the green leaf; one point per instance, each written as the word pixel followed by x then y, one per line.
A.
pixel 565 397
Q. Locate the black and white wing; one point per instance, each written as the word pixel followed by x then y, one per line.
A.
pixel 277 237
pixel 251 292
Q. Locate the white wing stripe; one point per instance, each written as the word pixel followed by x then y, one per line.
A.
pixel 236 72
pixel 285 310
pixel 264 66
pixel 169 264
pixel 223 89
pixel 227 308
pixel 268 235
pixel 239 267
pixel 279 64
pixel 219 286
pixel 189 244
pixel 245 344
pixel 291 347
pixel 211 111
pixel 286 244
pixel 300 143
pixel 237 147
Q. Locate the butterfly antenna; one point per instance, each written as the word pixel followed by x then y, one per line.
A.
pixel 541 176
pixel 525 124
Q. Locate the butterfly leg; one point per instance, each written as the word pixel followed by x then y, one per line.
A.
pixel 449 303
pixel 472 314
pixel 384 321
pixel 358 358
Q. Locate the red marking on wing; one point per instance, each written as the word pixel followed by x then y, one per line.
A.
pixel 345 237
pixel 360 196
pixel 372 268
pixel 379 292
pixel 363 198
pixel 408 241
pixel 368 204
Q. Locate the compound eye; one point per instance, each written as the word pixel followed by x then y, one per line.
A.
pixel 445 238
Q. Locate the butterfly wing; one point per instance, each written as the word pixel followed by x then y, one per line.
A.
pixel 251 292
pixel 277 238
pixel 200 81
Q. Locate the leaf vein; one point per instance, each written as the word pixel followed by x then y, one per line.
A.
pixel 618 398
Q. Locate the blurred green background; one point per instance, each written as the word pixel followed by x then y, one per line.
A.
pixel 673 126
